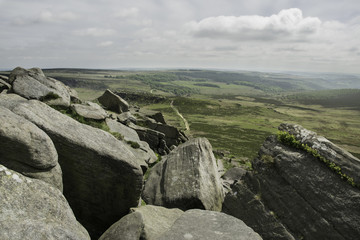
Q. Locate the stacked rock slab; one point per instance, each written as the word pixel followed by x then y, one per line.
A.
pixel 301 192
pixel 187 178
pixel 32 209
pixel 90 110
pixel 27 149
pixel 102 177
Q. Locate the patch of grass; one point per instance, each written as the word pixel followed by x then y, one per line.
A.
pixel 117 135
pixel 134 145
pixel 50 96
pixel 290 140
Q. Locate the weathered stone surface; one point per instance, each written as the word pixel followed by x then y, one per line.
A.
pixel 154 138
pixel 4 78
pixel 113 102
pixel 310 199
pixel 102 177
pixel 232 176
pixel 146 223
pixel 199 224
pixel 33 84
pixel 31 209
pixel 186 179
pixel 126 118
pixel 156 115
pixel 172 135
pixel 27 149
pixel 90 110
pixel 349 164
pixel 4 85
pixel 243 204
pixel 144 152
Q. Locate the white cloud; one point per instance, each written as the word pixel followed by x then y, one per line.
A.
pixel 46 16
pixel 106 44
pixel 288 24
pixel 95 32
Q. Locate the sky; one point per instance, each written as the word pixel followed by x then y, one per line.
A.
pixel 261 35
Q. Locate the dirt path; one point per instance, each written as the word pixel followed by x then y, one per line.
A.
pixel 187 127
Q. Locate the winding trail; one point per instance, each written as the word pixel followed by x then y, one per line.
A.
pixel 187 127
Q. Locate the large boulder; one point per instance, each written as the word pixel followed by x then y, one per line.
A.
pixel 27 149
pixel 33 84
pixel 32 209
pixel 200 224
pixel 146 223
pixel 304 194
pixel 187 178
pixel 102 177
pixel 113 102
pixel 90 110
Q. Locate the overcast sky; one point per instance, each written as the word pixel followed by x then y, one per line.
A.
pixel 299 35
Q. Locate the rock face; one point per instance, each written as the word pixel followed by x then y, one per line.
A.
pixel 90 110
pixel 186 179
pixel 144 151
pixel 113 102
pixel 146 223
pixel 4 85
pixel 199 224
pixel 304 194
pixel 31 209
pixel 33 84
pixel 27 149
pixel 102 177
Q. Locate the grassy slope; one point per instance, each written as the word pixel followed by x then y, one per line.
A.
pixel 235 111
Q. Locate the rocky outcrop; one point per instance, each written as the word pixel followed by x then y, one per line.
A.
pixel 144 151
pixel 155 115
pixel 113 102
pixel 305 195
pixel 33 84
pixel 146 223
pixel 102 177
pixel 186 179
pixel 154 138
pixel 200 224
pixel 31 209
pixel 27 149
pixel 90 110
pixel 126 118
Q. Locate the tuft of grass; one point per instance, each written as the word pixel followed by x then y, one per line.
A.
pixel 290 140
pixel 117 135
pixel 50 96
pixel 134 145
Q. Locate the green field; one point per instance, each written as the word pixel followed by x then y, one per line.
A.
pixel 236 111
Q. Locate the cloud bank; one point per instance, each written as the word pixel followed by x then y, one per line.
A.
pixel 288 24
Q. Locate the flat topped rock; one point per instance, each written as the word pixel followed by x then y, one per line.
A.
pixel 90 110
pixel 200 224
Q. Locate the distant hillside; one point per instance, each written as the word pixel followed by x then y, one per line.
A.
pixel 330 98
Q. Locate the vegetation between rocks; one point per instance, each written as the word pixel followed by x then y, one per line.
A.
pixel 290 140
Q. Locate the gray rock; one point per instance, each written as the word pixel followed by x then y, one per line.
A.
pixel 144 152
pixel 187 178
pixel 90 110
pixel 154 138
pixel 126 117
pixel 243 204
pixel 31 209
pixel 4 85
pixel 349 164
pixel 4 78
pixel 113 102
pixel 33 84
pixel 27 149
pixel 146 223
pixel 102 177
pixel 156 115
pixel 310 199
pixel 199 224
pixel 232 176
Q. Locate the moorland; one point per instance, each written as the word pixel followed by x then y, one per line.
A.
pixel 235 110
